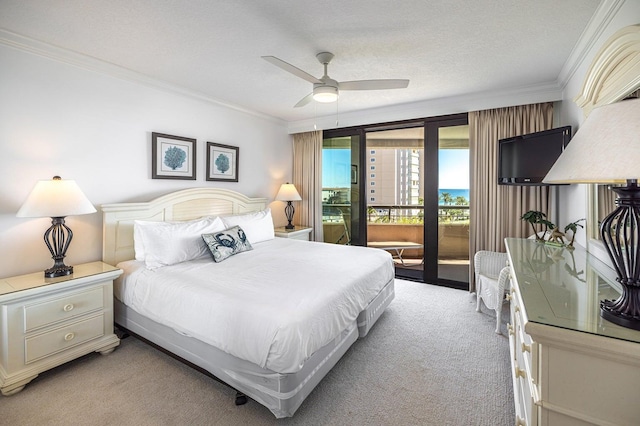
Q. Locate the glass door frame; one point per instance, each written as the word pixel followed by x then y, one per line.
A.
pixel 429 182
pixel 431 196
pixel 358 227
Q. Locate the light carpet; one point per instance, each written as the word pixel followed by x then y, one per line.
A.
pixel 430 360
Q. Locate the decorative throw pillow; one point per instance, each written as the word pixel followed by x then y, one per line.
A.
pixel 224 244
pixel 258 225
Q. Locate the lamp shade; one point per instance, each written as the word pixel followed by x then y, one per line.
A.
pixel 288 192
pixel 605 149
pixel 56 198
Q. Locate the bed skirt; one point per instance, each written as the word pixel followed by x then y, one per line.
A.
pixel 372 312
pixel 281 393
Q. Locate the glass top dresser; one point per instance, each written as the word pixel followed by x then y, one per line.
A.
pixel 569 365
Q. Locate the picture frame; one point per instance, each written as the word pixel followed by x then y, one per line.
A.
pixel 172 157
pixel 222 162
pixel 354 174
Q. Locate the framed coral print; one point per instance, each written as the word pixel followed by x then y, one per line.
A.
pixel 222 162
pixel 172 157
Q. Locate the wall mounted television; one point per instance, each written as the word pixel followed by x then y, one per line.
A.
pixel 526 159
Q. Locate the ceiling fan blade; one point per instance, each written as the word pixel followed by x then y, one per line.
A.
pixel 302 102
pixel 373 84
pixel 290 68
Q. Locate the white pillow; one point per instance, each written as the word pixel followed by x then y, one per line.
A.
pixel 138 244
pixel 138 225
pixel 176 242
pixel 257 226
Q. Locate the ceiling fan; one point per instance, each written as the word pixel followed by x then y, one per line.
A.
pixel 326 89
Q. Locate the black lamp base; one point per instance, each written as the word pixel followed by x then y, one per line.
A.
pixel 608 312
pixel 57 238
pixel 621 237
pixel 288 211
pixel 58 271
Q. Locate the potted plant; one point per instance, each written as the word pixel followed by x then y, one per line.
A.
pixel 534 218
pixel 573 227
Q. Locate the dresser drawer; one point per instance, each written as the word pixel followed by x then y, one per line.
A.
pixel 60 309
pixel 45 344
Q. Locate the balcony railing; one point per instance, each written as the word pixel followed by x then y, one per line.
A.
pixel 415 213
pixel 397 213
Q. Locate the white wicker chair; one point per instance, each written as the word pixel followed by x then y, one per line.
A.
pixel 492 281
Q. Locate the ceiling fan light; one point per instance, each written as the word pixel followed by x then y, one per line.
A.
pixel 325 94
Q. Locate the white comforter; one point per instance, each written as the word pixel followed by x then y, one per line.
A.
pixel 274 306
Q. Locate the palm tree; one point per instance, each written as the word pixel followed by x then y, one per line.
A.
pixel 461 201
pixel 536 217
pixel 446 198
pixel 573 227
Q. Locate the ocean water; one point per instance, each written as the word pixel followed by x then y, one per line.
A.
pixel 455 192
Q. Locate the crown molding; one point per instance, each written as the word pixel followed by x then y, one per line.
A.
pixel 598 23
pixel 89 63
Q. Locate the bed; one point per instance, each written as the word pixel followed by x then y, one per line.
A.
pixel 304 319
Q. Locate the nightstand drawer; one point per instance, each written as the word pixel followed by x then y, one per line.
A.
pixel 48 343
pixel 60 309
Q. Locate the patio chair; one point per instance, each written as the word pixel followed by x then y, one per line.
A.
pixel 492 281
pixel 346 233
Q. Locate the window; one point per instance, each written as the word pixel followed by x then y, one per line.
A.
pixel 372 167
pixel 373 191
pixel 373 160
pixel 372 183
pixel 373 175
pixel 372 152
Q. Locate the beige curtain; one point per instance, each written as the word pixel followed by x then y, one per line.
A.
pixel 307 177
pixel 496 209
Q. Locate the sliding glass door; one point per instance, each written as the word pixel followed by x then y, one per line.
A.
pixel 395 195
pixel 403 188
pixel 453 204
pixel 341 201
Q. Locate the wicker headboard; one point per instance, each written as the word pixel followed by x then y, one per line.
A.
pixel 117 233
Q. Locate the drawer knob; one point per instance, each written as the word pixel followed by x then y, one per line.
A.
pixel 526 348
pixel 520 373
pixel 69 336
pixel 68 307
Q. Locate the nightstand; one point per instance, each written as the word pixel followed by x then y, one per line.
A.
pixel 49 321
pixel 298 233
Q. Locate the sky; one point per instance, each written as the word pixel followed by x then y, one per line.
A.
pixel 453 168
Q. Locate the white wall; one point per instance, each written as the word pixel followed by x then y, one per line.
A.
pixel 573 198
pixel 59 119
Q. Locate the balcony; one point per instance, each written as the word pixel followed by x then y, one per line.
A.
pixel 405 223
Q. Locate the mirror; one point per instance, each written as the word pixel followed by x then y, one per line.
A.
pixel 614 74
pixel 602 200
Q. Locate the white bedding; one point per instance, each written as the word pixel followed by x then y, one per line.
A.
pixel 274 305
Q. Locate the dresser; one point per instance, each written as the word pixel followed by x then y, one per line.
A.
pixel 298 233
pixel 45 322
pixel 569 365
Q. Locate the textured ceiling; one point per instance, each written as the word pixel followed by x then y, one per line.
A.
pixel 445 47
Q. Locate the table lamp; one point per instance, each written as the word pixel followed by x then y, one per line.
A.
pixel 288 193
pixel 56 198
pixel 606 149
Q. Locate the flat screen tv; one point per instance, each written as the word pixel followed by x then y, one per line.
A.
pixel 526 159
